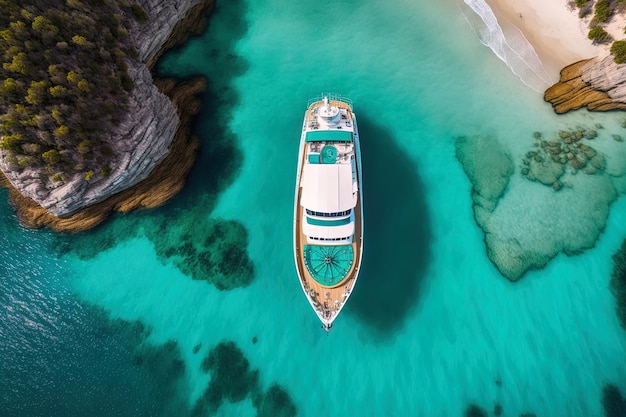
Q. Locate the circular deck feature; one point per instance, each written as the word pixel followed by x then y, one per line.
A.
pixel 328 265
pixel 329 154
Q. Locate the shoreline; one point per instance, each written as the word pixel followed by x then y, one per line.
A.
pixel 167 178
pixel 557 34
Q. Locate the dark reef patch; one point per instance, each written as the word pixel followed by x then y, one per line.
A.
pixel 475 411
pixel 233 380
pixel 613 403
pixel 618 283
pixel 207 249
pixel 396 253
pixel 203 248
pixel 276 403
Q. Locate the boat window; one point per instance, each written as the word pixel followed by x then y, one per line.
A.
pixel 320 214
pixel 333 239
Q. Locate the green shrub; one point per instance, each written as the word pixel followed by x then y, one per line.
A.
pixel 127 82
pixel 58 91
pixel 58 177
pixel 619 50
pixel 61 131
pixel 598 35
pixel 63 76
pixel 11 142
pixel 106 171
pixel 85 146
pixel 26 161
pixel 89 175
pixel 52 156
pixel 31 148
pixel 80 40
pixel 602 11
pixel 138 13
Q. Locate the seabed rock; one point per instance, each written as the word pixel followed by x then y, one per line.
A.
pixel 545 171
pixel 526 227
pixel 599 85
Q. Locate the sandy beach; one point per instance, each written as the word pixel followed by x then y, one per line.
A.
pixel 554 29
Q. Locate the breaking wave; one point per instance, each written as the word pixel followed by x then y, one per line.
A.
pixel 508 43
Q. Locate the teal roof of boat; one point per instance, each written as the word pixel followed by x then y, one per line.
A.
pixel 324 222
pixel 328 265
pixel 329 135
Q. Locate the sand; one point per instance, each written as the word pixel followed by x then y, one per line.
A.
pixel 554 29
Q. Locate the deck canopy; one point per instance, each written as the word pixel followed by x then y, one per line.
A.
pixel 329 135
pixel 327 188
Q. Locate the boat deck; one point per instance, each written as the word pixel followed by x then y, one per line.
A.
pixel 327 300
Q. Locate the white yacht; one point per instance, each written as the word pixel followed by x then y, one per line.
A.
pixel 328 208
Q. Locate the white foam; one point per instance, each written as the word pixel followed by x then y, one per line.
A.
pixel 508 43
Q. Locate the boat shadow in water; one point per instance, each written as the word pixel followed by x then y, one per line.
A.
pixel 397 233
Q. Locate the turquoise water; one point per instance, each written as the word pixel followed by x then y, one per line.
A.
pixel 195 308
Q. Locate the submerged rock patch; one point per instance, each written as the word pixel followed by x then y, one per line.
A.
pixel 488 166
pixel 211 250
pixel 528 225
pixel 275 403
pixel 613 403
pixel 231 377
pixel 618 284
pixel 475 411
pixel 549 161
pixel 233 380
pixel 205 249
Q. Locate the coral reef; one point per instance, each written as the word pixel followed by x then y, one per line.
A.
pixel 475 411
pixel 548 162
pixel 613 403
pixel 524 229
pixel 232 380
pixel 618 283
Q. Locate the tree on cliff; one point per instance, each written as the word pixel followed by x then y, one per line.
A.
pixel 618 49
pixel 64 81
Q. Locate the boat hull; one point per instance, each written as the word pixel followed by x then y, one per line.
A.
pixel 327 296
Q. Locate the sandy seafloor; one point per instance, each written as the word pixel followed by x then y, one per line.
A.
pixel 195 308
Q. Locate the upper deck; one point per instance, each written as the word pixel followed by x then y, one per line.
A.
pixel 333 116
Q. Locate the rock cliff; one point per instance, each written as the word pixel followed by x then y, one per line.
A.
pixel 143 141
pixel 598 84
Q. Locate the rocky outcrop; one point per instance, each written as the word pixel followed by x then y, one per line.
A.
pixel 140 143
pixel 152 137
pixel 598 84
pixel 164 182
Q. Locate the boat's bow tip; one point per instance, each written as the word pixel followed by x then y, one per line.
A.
pixel 328 327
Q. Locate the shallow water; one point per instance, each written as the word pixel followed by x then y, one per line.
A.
pixel 432 325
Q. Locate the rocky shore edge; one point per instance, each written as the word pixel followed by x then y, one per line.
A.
pixel 167 179
pixel 597 84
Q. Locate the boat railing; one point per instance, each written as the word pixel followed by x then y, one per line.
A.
pixel 331 97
